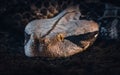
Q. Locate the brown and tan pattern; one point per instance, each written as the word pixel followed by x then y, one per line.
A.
pixel 50 8
pixel 61 36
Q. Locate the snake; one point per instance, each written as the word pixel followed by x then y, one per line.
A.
pixel 66 28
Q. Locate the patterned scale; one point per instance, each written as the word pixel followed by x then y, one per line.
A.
pixel 107 16
pixel 64 28
pixel 102 13
pixel 51 36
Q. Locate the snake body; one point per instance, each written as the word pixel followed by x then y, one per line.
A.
pixel 67 34
pixel 108 18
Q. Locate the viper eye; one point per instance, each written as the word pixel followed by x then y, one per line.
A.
pixel 60 37
pixel 27 37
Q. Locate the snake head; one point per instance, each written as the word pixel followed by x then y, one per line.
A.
pixel 75 37
pixel 61 36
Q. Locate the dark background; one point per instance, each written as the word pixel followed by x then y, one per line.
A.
pixel 103 58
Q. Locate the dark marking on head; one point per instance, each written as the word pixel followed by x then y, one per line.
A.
pixel 77 38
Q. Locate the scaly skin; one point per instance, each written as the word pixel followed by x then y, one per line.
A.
pixel 55 45
pixel 61 36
